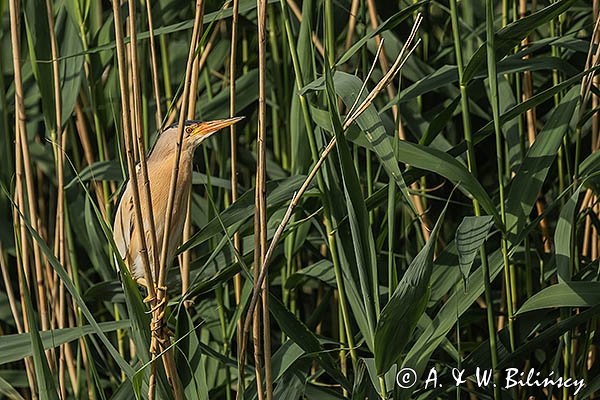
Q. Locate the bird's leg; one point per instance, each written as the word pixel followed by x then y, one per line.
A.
pixel 158 310
pixel 161 293
pixel 142 282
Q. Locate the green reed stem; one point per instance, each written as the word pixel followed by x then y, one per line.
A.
pixel 494 99
pixel 472 165
pixel 320 183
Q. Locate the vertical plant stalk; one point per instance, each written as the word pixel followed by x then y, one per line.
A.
pixel 472 165
pixel 406 51
pixel 237 280
pixel 146 196
pixel 187 226
pixel 161 299
pixel 24 273
pixel 21 131
pixel 351 23
pixel 60 240
pixel 136 126
pixel 154 65
pixel 203 57
pixel 298 14
pixel 391 91
pixel 133 176
pixel 88 153
pixel 14 309
pixel 261 191
pixel 493 82
pixel 531 118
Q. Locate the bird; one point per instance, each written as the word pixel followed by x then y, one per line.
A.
pixel 160 163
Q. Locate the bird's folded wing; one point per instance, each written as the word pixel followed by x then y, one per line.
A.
pixel 123 227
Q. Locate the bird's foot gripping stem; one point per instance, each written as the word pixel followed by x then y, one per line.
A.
pixel 160 330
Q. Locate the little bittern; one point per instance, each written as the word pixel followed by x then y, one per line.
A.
pixel 160 164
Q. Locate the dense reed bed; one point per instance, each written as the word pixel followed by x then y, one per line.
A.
pixel 413 191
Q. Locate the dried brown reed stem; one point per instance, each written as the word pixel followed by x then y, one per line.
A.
pixel 88 153
pixel 26 166
pixel 66 355
pixel 405 52
pixel 351 23
pixel 14 309
pixel 154 65
pixel 23 257
pixel 129 149
pixel 157 324
pixel 136 126
pixel 531 118
pixel 184 258
pixel 129 146
pixel 203 57
pixel 260 230
pixel 590 238
pixel 237 280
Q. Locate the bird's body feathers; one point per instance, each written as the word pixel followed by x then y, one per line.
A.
pixel 125 234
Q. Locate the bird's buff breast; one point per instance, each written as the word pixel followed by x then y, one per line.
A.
pixel 160 181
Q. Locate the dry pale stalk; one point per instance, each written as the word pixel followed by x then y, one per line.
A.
pixel 60 241
pixel 14 309
pixel 129 148
pixel 88 153
pixel 260 230
pixel 184 259
pixel 154 65
pixel 237 280
pixel 21 131
pixel 161 298
pixel 146 196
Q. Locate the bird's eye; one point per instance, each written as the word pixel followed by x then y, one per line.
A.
pixel 189 129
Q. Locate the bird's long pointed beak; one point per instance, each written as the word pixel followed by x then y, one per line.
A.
pixel 207 128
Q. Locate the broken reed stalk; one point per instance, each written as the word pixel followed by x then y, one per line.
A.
pixel 404 54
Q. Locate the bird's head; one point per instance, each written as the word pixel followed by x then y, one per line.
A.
pixel 194 133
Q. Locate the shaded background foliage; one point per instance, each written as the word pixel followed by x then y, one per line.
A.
pixel 498 101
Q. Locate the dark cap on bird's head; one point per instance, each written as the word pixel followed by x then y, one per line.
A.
pixel 196 131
